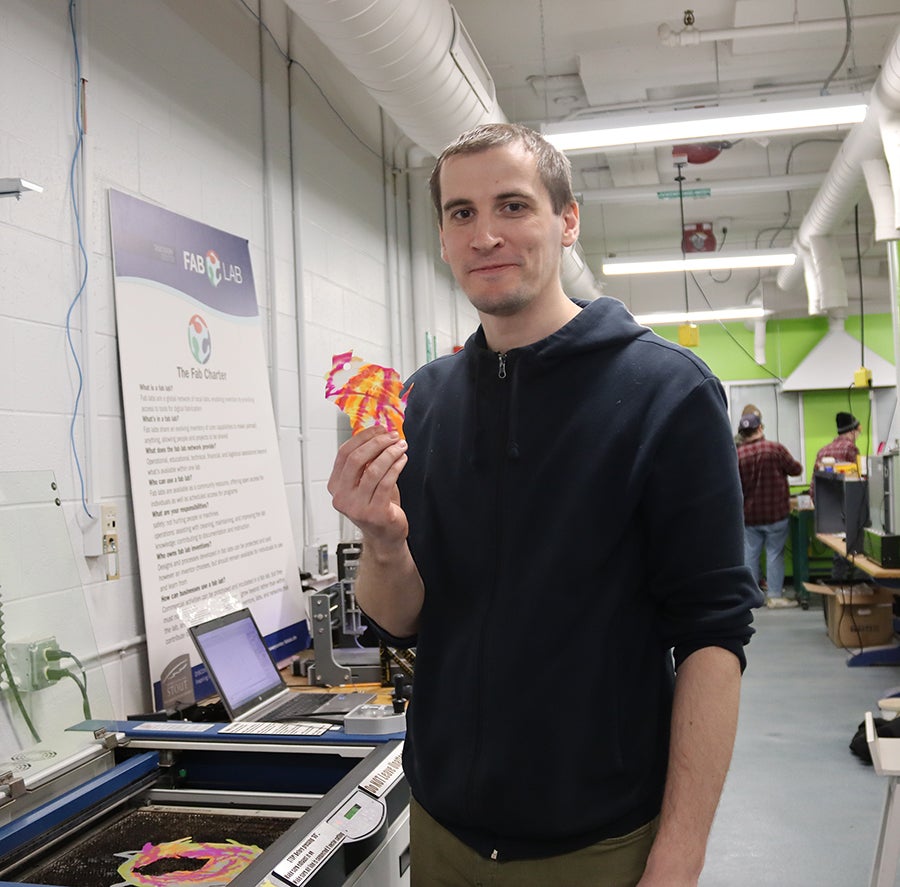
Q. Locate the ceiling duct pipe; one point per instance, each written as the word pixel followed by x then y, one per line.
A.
pixel 823 272
pixel 415 58
pixel 418 62
pixel 691 36
pixel 890 141
pixel 878 184
pixel 844 180
pixel 576 277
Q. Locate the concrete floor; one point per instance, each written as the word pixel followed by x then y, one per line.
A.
pixel 799 809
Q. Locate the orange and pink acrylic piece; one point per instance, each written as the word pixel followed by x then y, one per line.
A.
pixel 368 393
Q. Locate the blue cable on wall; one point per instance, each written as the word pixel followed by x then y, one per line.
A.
pixel 84 257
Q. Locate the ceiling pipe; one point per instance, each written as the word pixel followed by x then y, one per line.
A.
pixel 691 36
pixel 417 61
pixel 844 181
pixel 878 184
pixel 826 283
pixel 706 189
pixel 415 58
pixel 577 278
pixel 890 140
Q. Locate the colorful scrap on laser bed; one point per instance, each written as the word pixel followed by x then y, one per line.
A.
pixel 217 864
pixel 369 394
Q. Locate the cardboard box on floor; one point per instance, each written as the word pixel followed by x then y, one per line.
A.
pixel 857 615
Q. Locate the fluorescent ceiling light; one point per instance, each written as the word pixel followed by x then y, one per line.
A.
pixel 699 262
pixel 667 318
pixel 697 124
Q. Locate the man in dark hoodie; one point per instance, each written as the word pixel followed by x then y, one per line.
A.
pixel 560 535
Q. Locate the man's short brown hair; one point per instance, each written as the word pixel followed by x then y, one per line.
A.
pixel 553 166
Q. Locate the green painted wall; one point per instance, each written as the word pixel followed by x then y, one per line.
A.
pixel 728 350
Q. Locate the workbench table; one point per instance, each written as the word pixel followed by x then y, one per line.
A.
pixel 887 655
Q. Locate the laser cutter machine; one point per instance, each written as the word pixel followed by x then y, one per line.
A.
pixel 179 802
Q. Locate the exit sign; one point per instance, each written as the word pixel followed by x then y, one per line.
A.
pixel 688 192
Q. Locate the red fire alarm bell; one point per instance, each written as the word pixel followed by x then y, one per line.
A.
pixel 699 238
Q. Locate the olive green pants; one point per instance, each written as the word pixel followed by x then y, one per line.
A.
pixel 439 859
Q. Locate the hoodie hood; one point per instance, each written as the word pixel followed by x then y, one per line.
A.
pixel 602 323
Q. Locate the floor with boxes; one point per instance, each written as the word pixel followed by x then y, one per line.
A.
pixel 799 807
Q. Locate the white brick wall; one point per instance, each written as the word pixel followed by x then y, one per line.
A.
pixel 174 117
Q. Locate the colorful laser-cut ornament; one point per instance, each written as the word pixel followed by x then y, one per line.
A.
pixel 368 393
pixel 221 863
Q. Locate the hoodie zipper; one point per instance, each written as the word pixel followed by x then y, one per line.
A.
pixel 491 604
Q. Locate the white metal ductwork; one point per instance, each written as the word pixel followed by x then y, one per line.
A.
pixel 844 181
pixel 878 184
pixel 823 271
pixel 417 61
pixel 691 36
pixel 890 141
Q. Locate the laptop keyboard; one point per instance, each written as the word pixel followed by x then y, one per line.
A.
pixel 320 705
pixel 298 706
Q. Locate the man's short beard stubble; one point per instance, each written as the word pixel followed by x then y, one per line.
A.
pixel 504 306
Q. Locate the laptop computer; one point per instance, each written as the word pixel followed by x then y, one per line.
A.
pixel 248 680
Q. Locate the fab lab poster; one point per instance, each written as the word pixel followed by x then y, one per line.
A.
pixel 211 519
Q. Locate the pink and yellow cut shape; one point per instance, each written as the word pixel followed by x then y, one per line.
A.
pixel 369 394
pixel 222 863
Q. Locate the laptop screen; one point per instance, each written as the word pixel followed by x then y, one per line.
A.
pixel 236 657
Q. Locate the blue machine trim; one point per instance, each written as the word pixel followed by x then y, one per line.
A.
pixel 34 823
pixel 158 730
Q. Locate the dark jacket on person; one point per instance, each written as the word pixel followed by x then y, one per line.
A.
pixel 575 514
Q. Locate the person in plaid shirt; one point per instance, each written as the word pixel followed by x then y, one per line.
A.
pixel 765 467
pixel 843 448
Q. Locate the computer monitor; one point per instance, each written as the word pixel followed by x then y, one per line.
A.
pixel 842 506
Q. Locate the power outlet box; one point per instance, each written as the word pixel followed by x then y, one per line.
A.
pixel 862 378
pixel 109 519
pixel 28 662
pixel 97 532
pixel 111 554
pixel 104 539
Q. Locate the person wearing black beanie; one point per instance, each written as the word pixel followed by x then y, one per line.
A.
pixel 846 422
pixel 843 448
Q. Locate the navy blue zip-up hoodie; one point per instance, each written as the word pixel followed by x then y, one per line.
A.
pixel 575 513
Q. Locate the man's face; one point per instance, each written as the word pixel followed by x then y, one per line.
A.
pixel 499 233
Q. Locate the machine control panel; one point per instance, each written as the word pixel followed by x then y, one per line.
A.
pixel 359 816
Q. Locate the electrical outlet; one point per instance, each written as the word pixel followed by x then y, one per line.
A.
pixel 104 523
pixel 109 519
pixel 28 662
pixel 111 554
